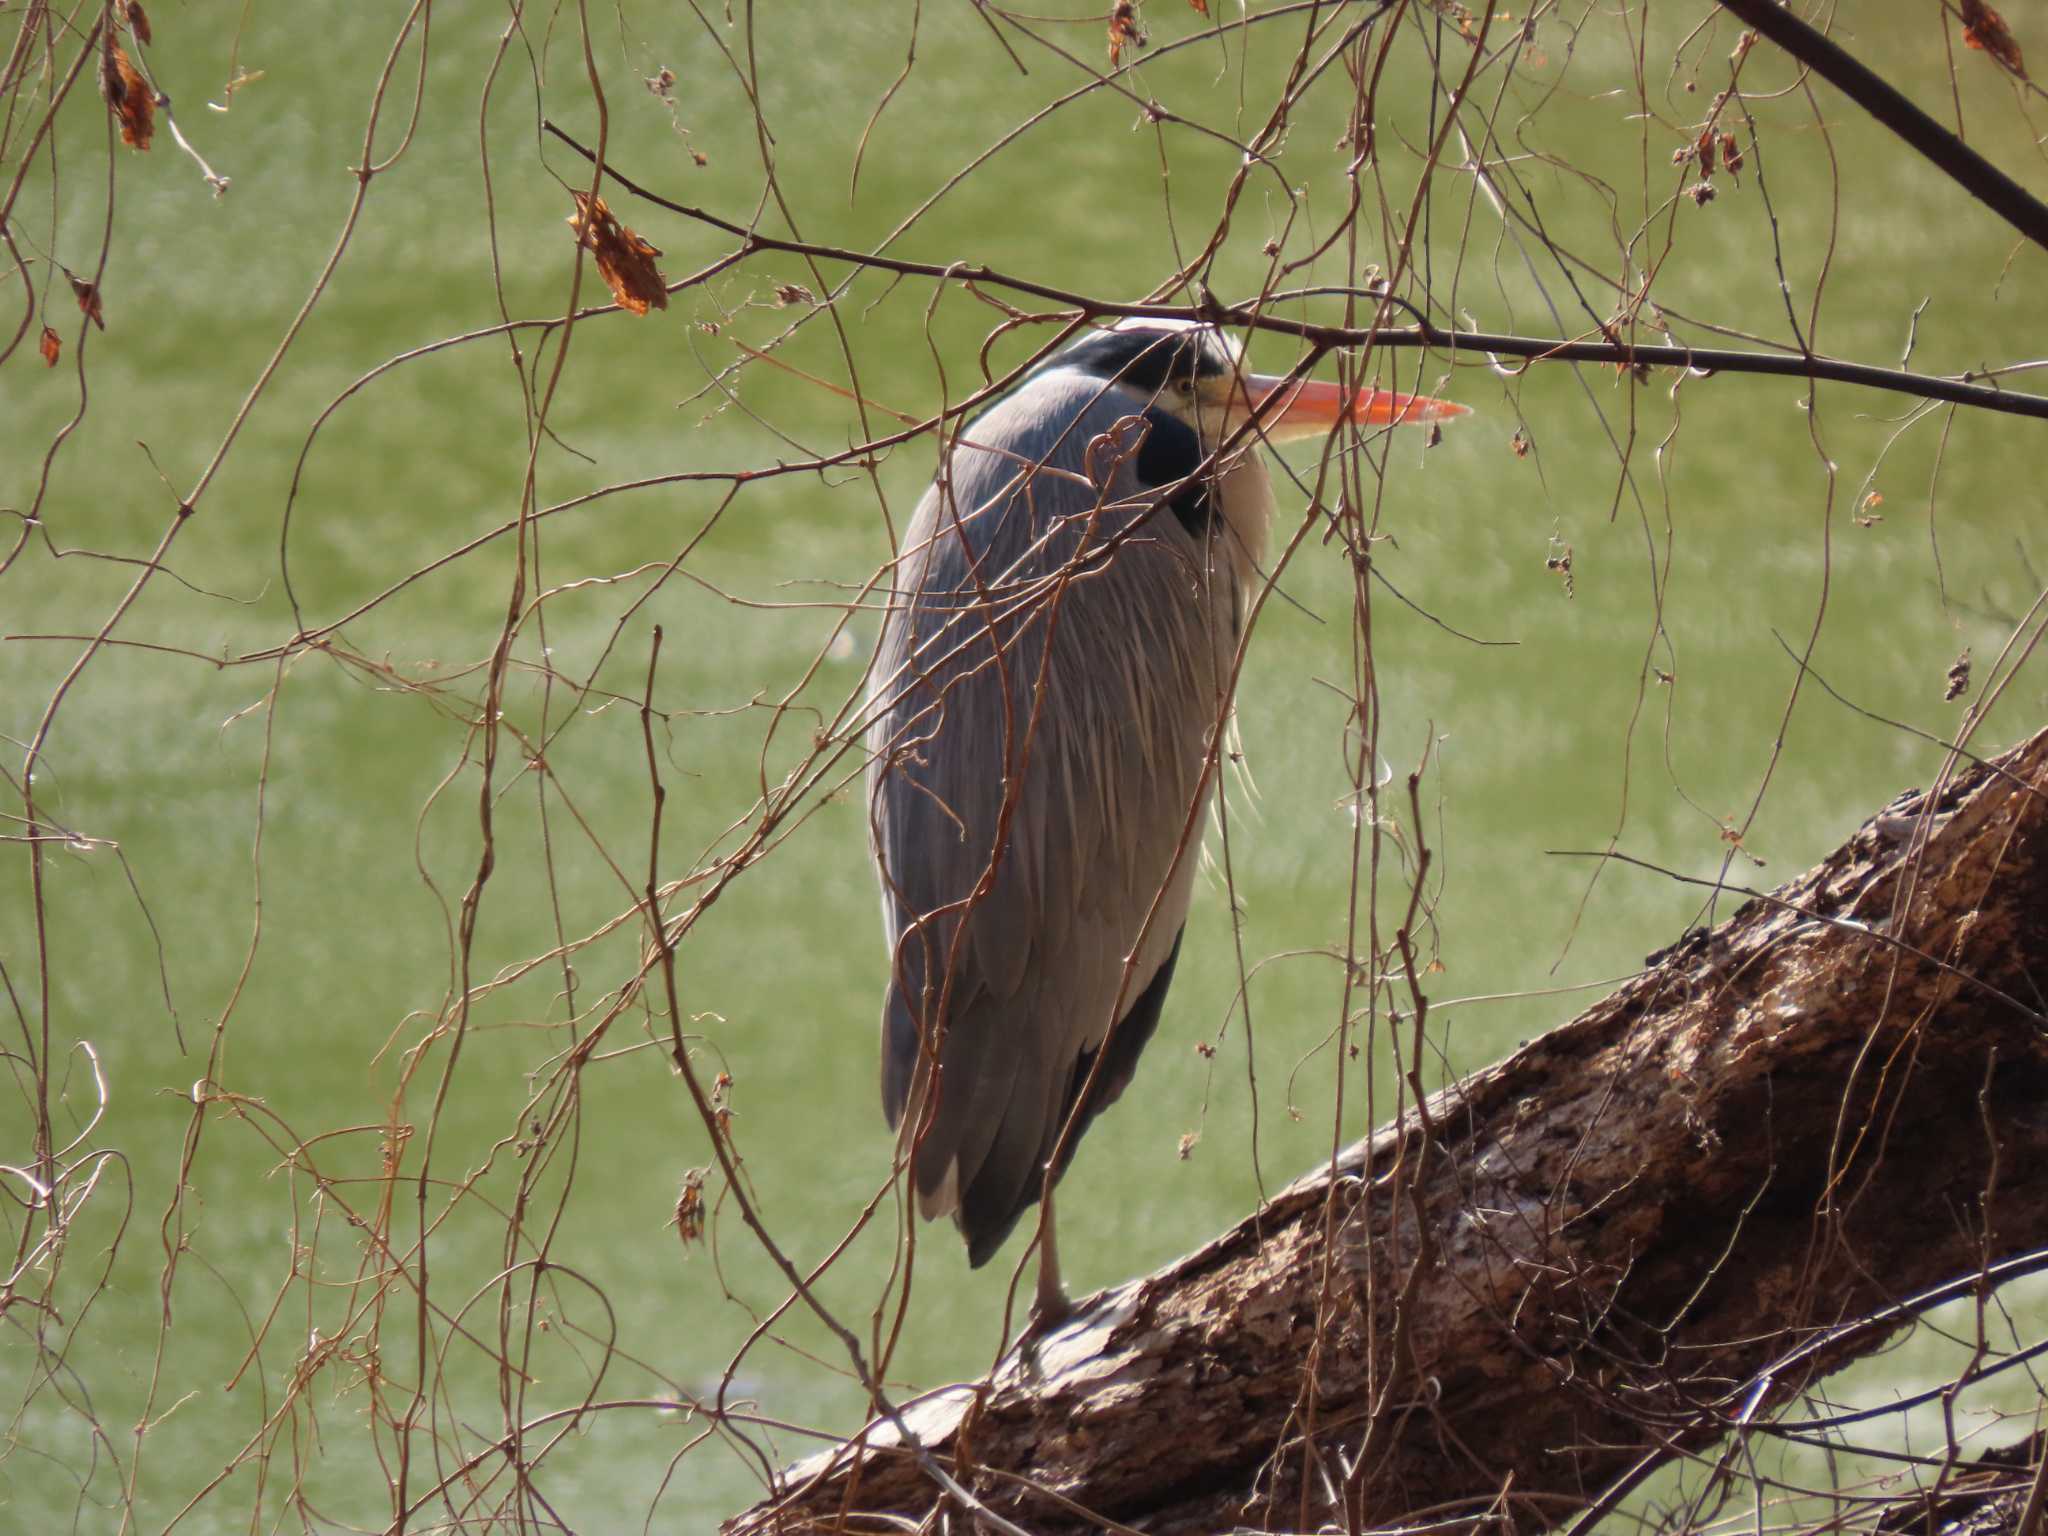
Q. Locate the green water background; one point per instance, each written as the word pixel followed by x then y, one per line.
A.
pixel 1552 742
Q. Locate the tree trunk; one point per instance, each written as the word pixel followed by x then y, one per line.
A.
pixel 1739 1172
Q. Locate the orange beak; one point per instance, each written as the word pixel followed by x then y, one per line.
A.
pixel 1304 408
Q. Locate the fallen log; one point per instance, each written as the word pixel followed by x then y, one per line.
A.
pixel 1752 1164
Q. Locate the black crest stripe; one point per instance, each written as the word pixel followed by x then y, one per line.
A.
pixel 1144 360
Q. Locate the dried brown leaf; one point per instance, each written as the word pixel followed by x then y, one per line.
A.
pixel 52 346
pixel 1124 28
pixel 689 1216
pixel 138 23
pixel 624 260
pixel 1958 681
pixel 1985 30
pixel 88 296
pixel 1559 562
pixel 128 97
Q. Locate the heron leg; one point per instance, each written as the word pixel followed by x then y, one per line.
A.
pixel 1051 1306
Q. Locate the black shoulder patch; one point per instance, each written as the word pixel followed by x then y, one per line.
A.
pixel 1171 453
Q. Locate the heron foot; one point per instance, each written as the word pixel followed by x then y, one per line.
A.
pixel 1048 1312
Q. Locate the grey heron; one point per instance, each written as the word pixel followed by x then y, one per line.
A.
pixel 1053 674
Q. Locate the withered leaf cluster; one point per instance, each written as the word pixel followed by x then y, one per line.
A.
pixel 1710 152
pixel 689 1214
pixel 1985 30
pixel 128 96
pixel 1957 682
pixel 624 260
pixel 1123 28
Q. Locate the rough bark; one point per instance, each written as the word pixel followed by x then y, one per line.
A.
pixel 1656 1222
pixel 1987 1496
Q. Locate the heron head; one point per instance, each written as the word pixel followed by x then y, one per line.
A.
pixel 1196 373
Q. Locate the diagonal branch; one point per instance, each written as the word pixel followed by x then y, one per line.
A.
pixel 1756 1162
pixel 1883 101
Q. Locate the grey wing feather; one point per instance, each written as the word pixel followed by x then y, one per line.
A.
pixel 1017 984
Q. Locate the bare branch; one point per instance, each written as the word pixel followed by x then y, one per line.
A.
pixel 1885 102
pixel 1649 1227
